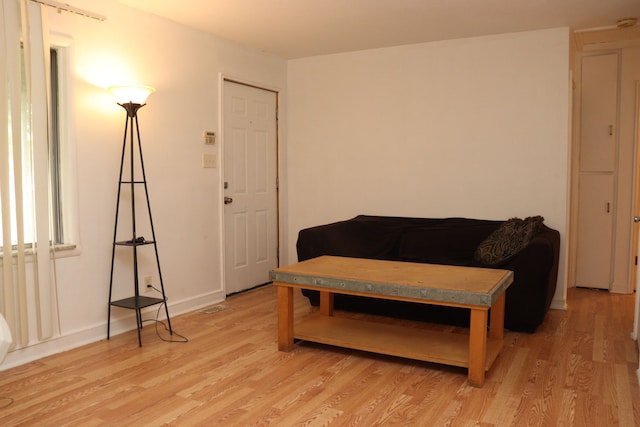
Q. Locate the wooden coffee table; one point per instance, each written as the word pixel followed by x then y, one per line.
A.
pixel 481 290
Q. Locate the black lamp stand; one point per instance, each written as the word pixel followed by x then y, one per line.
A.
pixel 137 302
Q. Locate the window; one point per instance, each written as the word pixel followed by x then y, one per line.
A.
pixel 55 151
pixel 55 162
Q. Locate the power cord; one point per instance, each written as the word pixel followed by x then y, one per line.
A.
pixel 166 328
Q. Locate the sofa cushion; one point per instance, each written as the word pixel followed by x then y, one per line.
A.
pixel 509 239
pixel 450 241
pixel 361 237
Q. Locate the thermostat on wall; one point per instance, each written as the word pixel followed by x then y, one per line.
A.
pixel 209 137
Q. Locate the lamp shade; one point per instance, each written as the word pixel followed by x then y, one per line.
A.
pixel 131 94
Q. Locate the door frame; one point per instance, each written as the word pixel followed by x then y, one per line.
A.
pixel 628 254
pixel 222 78
pixel 575 80
pixel 634 273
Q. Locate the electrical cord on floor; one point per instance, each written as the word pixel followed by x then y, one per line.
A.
pixel 9 402
pixel 166 328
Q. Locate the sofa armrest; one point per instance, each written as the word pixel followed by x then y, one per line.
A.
pixel 535 277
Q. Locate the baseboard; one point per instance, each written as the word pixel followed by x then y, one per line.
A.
pixel 558 304
pixel 120 323
pixel 5 338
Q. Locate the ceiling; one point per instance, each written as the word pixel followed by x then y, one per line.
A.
pixel 300 28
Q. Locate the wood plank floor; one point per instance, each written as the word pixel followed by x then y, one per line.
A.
pixel 578 369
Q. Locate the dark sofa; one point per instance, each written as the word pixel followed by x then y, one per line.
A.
pixel 451 241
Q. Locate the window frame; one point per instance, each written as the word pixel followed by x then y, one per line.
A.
pixel 66 162
pixel 61 163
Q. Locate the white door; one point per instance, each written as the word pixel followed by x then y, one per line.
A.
pixel 598 113
pixel 595 231
pixel 250 185
pixel 597 168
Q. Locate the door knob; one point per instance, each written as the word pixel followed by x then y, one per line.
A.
pixel 636 218
pixel 228 200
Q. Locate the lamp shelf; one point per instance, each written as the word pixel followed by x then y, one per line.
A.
pixel 137 302
pixel 133 243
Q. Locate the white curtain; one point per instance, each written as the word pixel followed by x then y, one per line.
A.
pixel 27 297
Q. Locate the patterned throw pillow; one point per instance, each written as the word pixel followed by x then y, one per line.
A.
pixel 507 240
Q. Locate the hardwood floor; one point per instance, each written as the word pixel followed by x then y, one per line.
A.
pixel 578 369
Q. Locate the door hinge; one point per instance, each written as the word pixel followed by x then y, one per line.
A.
pixel 277 114
pixel 277 183
pixel 636 259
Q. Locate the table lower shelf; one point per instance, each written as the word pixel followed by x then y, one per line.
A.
pixel 393 340
pixel 137 302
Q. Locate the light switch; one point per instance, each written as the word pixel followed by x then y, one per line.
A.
pixel 208 160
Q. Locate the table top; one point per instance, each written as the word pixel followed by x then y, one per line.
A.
pixel 451 285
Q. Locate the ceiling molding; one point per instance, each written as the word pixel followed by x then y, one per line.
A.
pixel 612 38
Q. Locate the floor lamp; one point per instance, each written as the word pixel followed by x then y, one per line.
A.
pixel 132 98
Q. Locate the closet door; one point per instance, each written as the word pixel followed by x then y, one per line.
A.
pixel 595 231
pixel 598 113
pixel 597 170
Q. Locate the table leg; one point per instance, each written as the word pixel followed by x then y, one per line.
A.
pixel 326 303
pixel 285 318
pixel 478 346
pixel 496 325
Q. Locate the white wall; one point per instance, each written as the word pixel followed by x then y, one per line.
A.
pixel 475 127
pixel 184 66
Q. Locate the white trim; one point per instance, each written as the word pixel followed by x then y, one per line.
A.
pixel 603 28
pixel 559 304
